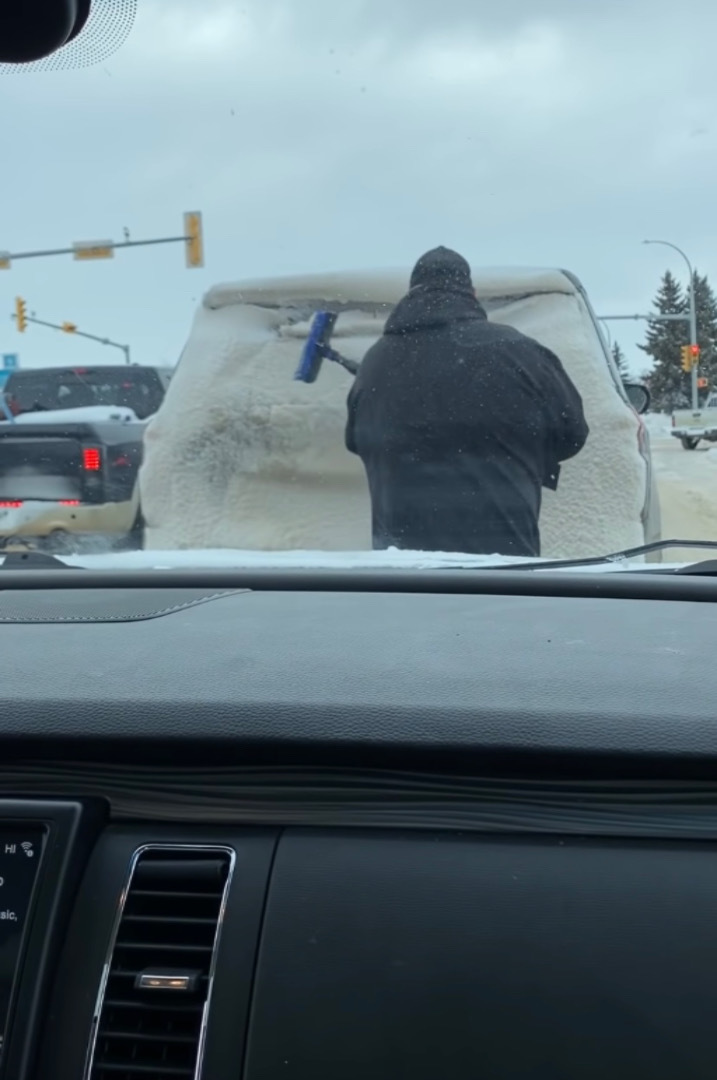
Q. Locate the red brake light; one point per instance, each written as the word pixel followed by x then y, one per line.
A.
pixel 91 459
pixel 79 371
pixel 69 502
pixel 122 461
pixel 10 504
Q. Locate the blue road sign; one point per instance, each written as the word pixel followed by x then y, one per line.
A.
pixel 10 361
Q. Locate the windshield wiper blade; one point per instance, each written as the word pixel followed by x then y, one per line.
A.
pixel 614 556
pixel 32 560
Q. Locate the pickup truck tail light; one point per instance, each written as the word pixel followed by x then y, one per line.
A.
pixel 91 458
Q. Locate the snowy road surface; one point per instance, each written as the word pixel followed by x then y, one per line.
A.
pixel 687 482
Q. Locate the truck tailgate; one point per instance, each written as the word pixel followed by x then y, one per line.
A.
pixel 699 420
pixel 42 467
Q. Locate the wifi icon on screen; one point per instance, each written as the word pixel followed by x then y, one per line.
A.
pixel 27 848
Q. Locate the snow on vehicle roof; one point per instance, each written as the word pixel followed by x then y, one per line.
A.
pixel 380 287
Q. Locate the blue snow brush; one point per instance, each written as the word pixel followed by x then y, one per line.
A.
pixel 317 349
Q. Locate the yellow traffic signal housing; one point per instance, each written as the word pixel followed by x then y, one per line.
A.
pixel 69 327
pixel 687 357
pixel 21 314
pixel 194 239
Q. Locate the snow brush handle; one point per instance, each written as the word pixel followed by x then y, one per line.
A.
pixel 351 366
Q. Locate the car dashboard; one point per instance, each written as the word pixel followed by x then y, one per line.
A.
pixel 261 827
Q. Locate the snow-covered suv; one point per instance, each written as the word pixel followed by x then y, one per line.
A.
pixel 241 455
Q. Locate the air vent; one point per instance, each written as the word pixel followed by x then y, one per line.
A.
pixel 154 1000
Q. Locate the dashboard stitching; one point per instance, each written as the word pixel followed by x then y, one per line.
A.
pixel 122 618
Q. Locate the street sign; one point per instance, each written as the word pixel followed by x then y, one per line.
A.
pixel 10 361
pixel 93 249
pixel 4 260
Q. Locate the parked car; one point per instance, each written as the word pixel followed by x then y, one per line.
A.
pixel 241 455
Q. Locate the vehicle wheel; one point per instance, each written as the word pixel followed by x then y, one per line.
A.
pixel 689 444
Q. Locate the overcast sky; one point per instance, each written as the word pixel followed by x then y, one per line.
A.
pixel 331 134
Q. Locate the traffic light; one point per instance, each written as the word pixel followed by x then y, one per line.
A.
pixel 194 240
pixel 69 327
pixel 21 314
pixel 687 359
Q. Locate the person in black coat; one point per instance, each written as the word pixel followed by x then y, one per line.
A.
pixel 459 422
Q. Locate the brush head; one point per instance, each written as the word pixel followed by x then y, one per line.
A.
pixel 313 353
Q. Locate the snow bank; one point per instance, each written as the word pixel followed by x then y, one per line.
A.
pixel 88 414
pixel 658 425
pixel 242 456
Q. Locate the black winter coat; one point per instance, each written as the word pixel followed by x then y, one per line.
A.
pixel 459 423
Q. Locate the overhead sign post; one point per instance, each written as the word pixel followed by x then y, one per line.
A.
pixel 89 250
pixel 71 328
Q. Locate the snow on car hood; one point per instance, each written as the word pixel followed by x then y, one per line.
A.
pixel 392 559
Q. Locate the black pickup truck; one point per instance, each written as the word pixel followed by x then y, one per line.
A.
pixel 64 486
pixel 68 480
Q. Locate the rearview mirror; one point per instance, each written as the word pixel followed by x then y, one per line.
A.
pixel 638 396
pixel 32 31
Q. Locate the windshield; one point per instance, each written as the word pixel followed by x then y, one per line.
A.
pixel 48 390
pixel 406 284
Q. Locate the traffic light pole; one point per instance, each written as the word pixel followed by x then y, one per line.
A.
pixel 692 349
pixel 67 328
pixel 192 238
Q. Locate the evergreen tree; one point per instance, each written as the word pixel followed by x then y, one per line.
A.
pixel 620 362
pixel 669 385
pixel 706 304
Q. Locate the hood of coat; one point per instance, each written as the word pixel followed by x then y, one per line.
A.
pixel 426 308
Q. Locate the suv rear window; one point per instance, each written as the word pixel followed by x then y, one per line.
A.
pixel 74 388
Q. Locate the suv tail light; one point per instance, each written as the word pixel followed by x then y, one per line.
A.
pixel 91 458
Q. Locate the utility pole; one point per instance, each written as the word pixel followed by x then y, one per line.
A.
pixel 22 319
pixel 694 344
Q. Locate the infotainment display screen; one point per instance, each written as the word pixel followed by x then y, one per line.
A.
pixel 20 851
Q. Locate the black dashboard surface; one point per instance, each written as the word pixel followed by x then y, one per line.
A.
pixel 276 670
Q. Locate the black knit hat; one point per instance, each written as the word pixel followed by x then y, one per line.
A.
pixel 442 269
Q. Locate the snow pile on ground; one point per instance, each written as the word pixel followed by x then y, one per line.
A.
pixel 242 456
pixel 659 425
pixel 88 414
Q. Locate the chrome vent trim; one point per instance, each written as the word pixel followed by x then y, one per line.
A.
pixel 148 849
